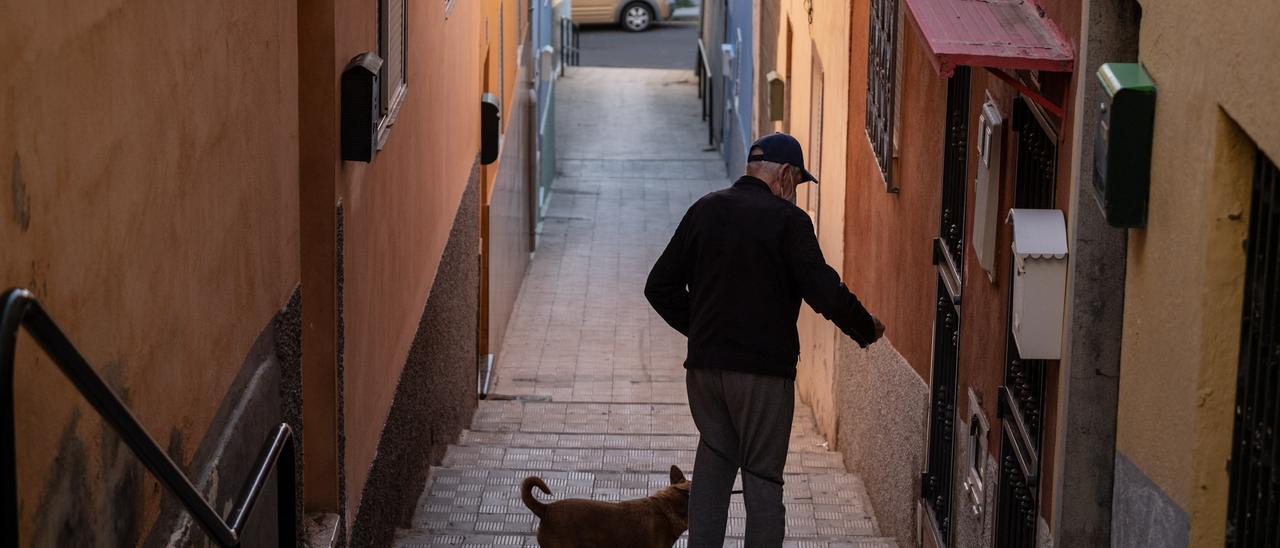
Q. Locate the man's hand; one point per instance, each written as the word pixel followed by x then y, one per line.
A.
pixel 879 329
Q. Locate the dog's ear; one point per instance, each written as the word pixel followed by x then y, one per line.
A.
pixel 676 475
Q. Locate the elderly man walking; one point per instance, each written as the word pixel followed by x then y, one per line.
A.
pixel 731 280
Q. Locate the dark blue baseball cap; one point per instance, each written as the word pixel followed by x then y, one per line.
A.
pixel 781 148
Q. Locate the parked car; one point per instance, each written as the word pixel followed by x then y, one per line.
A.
pixel 633 15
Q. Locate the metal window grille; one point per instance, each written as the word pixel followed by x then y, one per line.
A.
pixel 955 167
pixel 1253 507
pixel 392 49
pixel 936 485
pixel 1021 398
pixel 881 80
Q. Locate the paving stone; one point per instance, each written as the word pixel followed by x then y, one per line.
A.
pixel 589 390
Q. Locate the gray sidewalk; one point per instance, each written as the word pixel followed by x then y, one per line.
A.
pixel 590 378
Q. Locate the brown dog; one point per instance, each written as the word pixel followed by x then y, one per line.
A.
pixel 656 521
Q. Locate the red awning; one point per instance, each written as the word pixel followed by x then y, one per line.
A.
pixel 999 34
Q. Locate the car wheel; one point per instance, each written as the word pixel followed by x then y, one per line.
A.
pixel 637 16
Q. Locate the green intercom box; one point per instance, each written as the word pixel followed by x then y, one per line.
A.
pixel 1122 147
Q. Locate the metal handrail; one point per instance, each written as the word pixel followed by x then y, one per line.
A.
pixel 702 54
pixel 705 86
pixel 569 43
pixel 22 310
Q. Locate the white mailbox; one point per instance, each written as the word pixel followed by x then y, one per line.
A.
pixel 1039 281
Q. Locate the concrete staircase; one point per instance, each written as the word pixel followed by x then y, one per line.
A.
pixel 614 452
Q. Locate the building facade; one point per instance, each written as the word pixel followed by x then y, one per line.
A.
pixel 809 68
pixel 727 42
pixel 1194 396
pixel 893 121
pixel 224 269
pixel 962 164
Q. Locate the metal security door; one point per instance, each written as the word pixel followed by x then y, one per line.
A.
pixel 1021 398
pixel 1253 508
pixel 936 483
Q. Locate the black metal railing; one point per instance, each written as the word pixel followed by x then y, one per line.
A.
pixel 955 167
pixel 1253 507
pixel 704 91
pixel 22 311
pixel 936 482
pixel 1021 397
pixel 569 45
pixel 1037 160
pixel 1020 408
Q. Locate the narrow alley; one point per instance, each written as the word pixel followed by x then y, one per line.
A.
pixel 589 394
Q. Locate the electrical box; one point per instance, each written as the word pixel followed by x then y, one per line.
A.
pixel 546 63
pixel 987 186
pixel 490 128
pixel 1039 281
pixel 777 96
pixel 726 60
pixel 361 107
pixel 1122 146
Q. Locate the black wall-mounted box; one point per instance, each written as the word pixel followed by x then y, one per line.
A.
pixel 361 108
pixel 490 128
pixel 1122 147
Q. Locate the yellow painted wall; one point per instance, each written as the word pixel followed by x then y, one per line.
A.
pixel 825 33
pixel 161 225
pixel 1216 70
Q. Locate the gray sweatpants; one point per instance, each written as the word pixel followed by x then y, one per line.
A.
pixel 744 421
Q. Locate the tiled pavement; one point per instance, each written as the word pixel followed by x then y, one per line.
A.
pixel 590 390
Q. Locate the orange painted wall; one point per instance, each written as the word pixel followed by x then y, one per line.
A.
pixel 161 211
pixel 895 230
pixel 507 181
pixel 398 209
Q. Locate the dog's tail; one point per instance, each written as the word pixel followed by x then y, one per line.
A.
pixel 526 493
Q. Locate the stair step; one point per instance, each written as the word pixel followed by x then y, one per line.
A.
pixel 471 501
pixel 601 418
pixel 801 442
pixel 418 539
pixel 617 460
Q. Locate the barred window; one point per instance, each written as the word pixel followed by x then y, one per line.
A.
pixel 882 85
pixel 392 47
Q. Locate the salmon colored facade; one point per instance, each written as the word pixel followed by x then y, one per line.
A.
pixel 180 207
pixel 154 213
pixel 812 61
pixel 875 403
pixel 509 182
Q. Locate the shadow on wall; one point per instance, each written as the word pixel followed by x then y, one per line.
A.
pixel 93 495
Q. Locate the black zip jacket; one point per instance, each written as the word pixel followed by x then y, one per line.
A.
pixel 732 278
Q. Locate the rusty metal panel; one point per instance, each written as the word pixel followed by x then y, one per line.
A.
pixel 1008 34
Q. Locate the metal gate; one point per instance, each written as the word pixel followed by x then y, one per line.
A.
pixel 936 483
pixel 1253 507
pixel 1021 398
